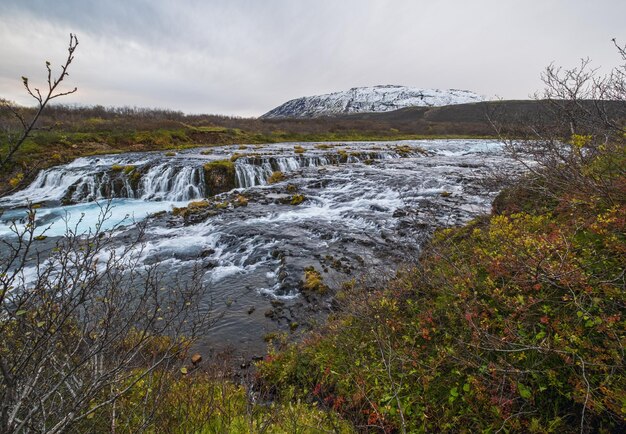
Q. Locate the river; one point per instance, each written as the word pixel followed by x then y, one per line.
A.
pixel 365 209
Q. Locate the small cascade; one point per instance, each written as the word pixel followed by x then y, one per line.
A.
pixel 165 182
pixel 253 171
pixel 70 184
pixel 55 184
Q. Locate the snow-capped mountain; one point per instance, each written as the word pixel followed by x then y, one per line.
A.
pixel 370 99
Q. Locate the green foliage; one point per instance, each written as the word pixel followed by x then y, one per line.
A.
pixel 197 402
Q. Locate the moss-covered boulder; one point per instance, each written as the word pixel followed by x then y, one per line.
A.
pixel 219 176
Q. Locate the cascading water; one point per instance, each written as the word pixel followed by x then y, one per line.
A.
pixel 255 171
pixel 164 182
pixel 157 180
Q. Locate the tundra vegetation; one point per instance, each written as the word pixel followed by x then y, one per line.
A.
pixel 512 323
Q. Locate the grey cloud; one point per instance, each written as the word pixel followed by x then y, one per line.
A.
pixel 244 57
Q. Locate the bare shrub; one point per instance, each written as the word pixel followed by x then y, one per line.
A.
pixel 85 322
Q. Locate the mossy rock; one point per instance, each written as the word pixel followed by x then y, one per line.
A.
pixel 343 156
pixel 297 199
pixel 313 282
pixel 134 178
pixel 276 177
pixel 324 146
pixel 404 150
pixel 219 176
pixel 240 200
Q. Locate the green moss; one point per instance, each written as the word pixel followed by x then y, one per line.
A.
pixel 298 149
pixel 297 199
pixel 221 165
pixel 313 281
pixel 404 150
pixel 134 178
pixel 219 176
pixel 240 200
pixel 324 146
pixel 276 177
pixel 191 207
pixel 343 155
pixel 235 157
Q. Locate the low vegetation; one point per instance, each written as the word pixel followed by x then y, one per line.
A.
pixel 313 282
pixel 297 199
pixel 198 402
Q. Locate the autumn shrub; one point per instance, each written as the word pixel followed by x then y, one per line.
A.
pixel 205 402
pixel 516 322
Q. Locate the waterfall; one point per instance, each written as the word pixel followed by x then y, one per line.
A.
pixel 165 182
pixel 253 171
pixel 155 179
pixel 55 184
pixel 73 184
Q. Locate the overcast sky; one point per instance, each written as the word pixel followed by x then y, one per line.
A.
pixel 243 58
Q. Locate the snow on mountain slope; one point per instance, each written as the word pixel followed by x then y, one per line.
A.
pixel 370 99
